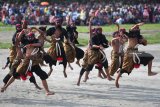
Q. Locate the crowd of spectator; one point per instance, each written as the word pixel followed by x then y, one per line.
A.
pixel 104 12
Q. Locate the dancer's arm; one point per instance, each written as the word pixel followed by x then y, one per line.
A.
pixel 38 30
pixel 137 25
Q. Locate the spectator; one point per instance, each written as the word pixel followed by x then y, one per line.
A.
pixel 105 12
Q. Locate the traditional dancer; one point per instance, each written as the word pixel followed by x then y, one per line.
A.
pixel 132 57
pixel 93 55
pixel 117 52
pixel 56 51
pixel 12 53
pixel 73 35
pixel 14 58
pixel 31 61
pixel 104 45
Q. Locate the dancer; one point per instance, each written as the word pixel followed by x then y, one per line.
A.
pixel 56 51
pixel 117 52
pixel 104 45
pixel 73 35
pixel 15 55
pixel 93 55
pixel 31 55
pixel 133 57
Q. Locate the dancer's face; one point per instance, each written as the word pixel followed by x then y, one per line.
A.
pixel 58 23
pixel 18 27
pixel 99 30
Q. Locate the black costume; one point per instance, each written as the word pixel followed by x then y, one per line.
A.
pixel 95 55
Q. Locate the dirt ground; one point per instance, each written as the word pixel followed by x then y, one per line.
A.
pixel 136 90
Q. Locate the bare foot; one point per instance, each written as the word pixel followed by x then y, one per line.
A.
pixel 50 93
pixel 3 67
pixel 152 73
pixel 117 84
pixel 65 75
pixel 70 66
pixel 110 78
pixel 85 80
pixel 38 87
pixel 78 83
pixel 3 89
pixel 104 76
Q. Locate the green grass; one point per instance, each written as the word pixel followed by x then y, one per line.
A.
pixel 4 27
pixel 82 41
pixel 112 28
pixel 84 29
pixel 2 24
pixel 150 31
pixel 5 45
pixel 153 39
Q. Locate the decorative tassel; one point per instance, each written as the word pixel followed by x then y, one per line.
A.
pixel 60 59
pixel 27 76
pixel 29 73
pixel 23 77
pixel 136 65
pixel 98 66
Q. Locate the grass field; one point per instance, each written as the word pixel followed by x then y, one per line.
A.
pixel 106 28
pixel 5 45
pixel 112 28
pixel 150 31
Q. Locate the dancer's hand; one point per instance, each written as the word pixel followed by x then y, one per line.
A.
pixel 101 47
pixel 140 24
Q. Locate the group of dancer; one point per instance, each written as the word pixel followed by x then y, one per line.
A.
pixel 27 53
